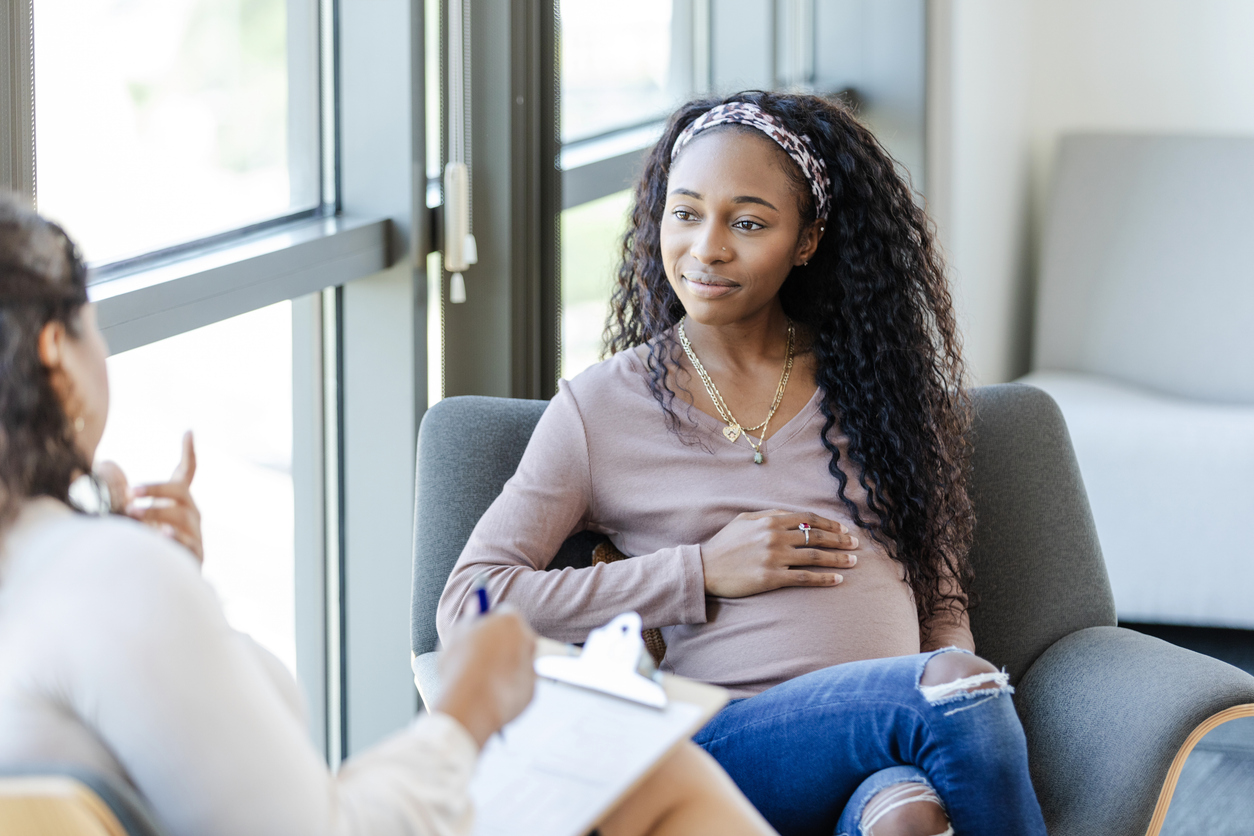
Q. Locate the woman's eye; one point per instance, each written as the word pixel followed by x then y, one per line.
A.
pixel 682 214
pixel 747 225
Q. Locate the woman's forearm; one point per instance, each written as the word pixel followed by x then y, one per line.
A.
pixel 666 587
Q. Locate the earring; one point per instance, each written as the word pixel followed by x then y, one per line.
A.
pixel 79 424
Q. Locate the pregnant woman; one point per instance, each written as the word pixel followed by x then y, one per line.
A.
pixel 778 442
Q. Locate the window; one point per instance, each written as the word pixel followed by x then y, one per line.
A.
pixel 164 121
pixel 234 170
pixel 620 65
pixel 591 236
pixel 231 384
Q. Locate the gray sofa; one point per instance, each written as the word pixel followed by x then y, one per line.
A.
pixel 1110 715
pixel 1144 335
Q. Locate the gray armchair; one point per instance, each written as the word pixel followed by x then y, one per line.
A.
pixel 1110 715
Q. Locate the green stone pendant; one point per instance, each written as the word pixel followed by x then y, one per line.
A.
pixel 757 457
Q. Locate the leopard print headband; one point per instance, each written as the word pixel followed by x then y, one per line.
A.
pixel 799 147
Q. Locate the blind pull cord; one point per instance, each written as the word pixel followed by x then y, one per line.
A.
pixel 460 250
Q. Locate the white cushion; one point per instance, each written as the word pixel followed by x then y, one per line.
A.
pixel 1171 484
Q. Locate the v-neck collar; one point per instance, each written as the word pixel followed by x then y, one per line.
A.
pixel 776 439
pixel 698 416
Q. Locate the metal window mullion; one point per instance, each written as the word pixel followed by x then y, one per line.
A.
pixel 600 178
pixel 140 308
pixel 310 505
pixel 17 98
pixel 332 686
pixel 382 350
pixel 333 482
pixel 536 199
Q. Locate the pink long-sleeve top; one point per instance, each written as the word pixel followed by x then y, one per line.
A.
pixel 603 459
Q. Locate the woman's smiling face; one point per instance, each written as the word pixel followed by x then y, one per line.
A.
pixel 731 232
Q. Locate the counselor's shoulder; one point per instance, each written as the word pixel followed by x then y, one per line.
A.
pixel 114 576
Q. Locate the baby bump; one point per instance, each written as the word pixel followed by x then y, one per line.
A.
pixel 750 644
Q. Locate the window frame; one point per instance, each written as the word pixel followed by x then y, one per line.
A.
pixel 600 166
pixel 17 69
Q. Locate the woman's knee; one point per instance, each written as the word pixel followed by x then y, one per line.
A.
pixel 946 668
pixel 955 672
pixel 905 809
pixel 978 721
pixel 954 683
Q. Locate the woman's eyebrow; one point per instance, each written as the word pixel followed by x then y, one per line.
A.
pixel 740 199
pixel 752 199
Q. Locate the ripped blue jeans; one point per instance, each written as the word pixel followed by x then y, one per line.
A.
pixel 811 752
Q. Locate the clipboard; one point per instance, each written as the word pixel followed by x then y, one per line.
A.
pixel 595 729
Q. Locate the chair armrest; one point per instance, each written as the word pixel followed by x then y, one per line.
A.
pixel 129 810
pixel 426 667
pixel 1110 716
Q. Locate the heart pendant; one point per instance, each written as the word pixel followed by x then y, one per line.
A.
pixel 732 432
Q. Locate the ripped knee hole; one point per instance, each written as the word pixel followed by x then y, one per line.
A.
pixel 895 797
pixel 961 675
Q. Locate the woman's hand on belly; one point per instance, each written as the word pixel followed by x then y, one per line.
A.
pixel 756 552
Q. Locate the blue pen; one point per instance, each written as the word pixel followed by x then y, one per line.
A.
pixel 481 590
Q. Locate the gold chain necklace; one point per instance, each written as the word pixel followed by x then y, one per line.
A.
pixel 733 429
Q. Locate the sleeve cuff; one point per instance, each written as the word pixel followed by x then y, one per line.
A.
pixel 693 584
pixel 452 737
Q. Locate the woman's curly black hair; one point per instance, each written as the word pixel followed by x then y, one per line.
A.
pixel 42 280
pixel 875 303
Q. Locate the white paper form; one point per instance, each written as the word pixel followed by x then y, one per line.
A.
pixel 569 757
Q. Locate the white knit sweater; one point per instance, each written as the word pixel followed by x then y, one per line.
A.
pixel 115 655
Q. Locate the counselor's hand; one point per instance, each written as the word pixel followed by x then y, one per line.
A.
pixel 172 511
pixel 754 552
pixel 487 671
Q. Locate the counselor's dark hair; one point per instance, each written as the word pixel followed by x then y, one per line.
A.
pixel 42 280
pixel 875 303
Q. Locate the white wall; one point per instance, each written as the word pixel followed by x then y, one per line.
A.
pixel 978 89
pixel 1160 66
pixel 1008 77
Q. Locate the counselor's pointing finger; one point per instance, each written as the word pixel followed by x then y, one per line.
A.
pixel 179 486
pixel 187 464
pixel 178 491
